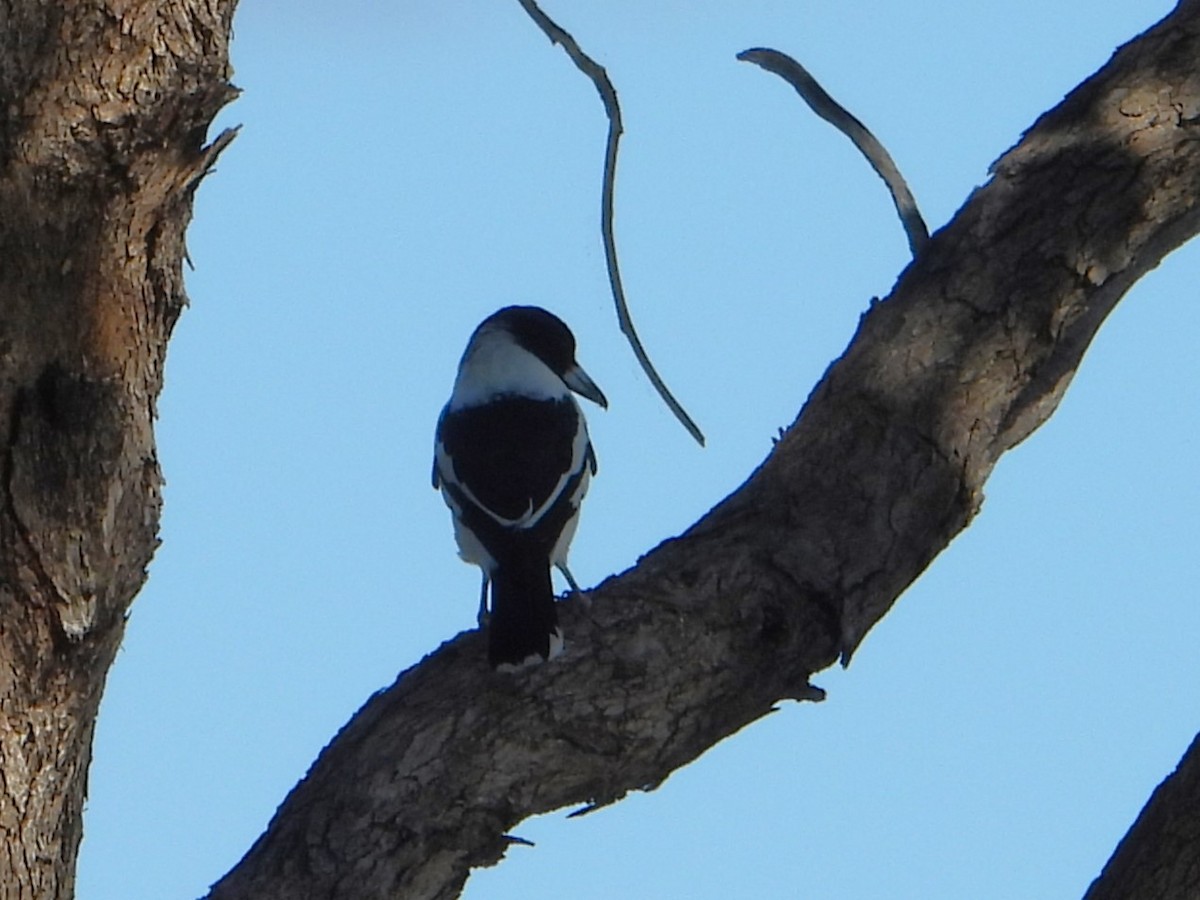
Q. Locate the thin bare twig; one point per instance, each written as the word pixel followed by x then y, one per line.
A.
pixel 608 95
pixel 838 116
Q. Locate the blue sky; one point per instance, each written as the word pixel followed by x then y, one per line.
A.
pixel 405 169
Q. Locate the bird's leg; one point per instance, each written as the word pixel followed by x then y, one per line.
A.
pixel 483 617
pixel 562 567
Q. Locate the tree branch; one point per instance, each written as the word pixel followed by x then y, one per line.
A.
pixel 608 96
pixel 840 118
pixel 1157 858
pixel 970 353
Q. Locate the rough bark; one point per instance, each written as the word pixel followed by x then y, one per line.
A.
pixel 1159 858
pixel 104 111
pixel 971 352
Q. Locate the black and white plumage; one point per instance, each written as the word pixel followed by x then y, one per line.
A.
pixel 513 460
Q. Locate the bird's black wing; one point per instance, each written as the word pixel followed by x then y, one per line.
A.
pixel 513 454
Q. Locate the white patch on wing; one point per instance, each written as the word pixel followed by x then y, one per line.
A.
pixel 558 556
pixel 470 549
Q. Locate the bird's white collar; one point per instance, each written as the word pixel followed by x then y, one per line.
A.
pixel 494 365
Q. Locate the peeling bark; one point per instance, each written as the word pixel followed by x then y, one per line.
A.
pixel 105 109
pixel 885 465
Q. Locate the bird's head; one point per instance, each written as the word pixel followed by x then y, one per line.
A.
pixel 548 338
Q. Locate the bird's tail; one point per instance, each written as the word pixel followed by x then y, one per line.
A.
pixel 524 623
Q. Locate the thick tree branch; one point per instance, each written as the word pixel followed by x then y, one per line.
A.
pixel 971 352
pixel 1158 858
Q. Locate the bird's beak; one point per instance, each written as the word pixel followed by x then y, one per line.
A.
pixel 578 381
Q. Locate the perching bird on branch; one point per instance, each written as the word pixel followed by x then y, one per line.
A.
pixel 513 460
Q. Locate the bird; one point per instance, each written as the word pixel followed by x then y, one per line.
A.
pixel 513 460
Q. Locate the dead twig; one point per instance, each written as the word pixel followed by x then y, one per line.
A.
pixel 838 116
pixel 608 95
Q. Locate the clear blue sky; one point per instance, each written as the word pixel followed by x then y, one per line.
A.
pixel 406 168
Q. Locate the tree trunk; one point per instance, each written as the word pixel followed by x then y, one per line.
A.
pixel 105 109
pixel 971 353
